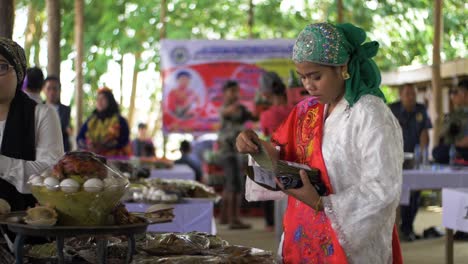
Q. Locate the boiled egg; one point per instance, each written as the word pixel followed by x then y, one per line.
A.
pixel 51 183
pixel 93 185
pixel 69 186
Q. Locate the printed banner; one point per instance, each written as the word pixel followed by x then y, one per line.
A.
pixel 194 72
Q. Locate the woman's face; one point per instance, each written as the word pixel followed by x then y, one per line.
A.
pixel 8 82
pixel 324 82
pixel 101 102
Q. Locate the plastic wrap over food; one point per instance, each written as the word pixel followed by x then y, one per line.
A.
pixel 179 260
pixel 81 187
pixel 177 244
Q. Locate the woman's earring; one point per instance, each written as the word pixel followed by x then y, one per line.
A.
pixel 345 75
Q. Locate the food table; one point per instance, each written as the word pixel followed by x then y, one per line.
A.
pixel 454 216
pixel 432 177
pixel 178 171
pixel 191 214
pixel 23 230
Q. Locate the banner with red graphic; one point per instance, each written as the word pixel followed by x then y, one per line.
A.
pixel 194 72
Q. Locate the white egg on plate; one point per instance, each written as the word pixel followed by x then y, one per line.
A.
pixel 35 180
pixel 69 186
pixel 51 183
pixel 93 185
pixel 111 183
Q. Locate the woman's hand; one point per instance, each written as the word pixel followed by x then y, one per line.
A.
pixel 306 194
pixel 247 142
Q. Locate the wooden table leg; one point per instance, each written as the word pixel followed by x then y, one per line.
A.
pixel 131 248
pixel 60 244
pixel 449 246
pixel 19 243
pixel 102 250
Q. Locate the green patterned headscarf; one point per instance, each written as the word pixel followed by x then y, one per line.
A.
pixel 326 44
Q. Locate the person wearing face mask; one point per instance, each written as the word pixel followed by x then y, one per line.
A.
pixel 455 127
pixel 345 130
pixel 30 134
pixel 105 132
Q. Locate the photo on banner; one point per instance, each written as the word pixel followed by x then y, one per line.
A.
pixel 194 72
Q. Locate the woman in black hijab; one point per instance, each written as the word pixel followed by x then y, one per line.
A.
pixel 29 132
pixel 105 132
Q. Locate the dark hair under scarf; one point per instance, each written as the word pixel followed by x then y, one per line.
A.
pixel 112 106
pixel 19 139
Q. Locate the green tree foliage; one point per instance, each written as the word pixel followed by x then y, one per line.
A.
pixel 117 27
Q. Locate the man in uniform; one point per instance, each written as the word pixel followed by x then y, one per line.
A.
pixel 415 123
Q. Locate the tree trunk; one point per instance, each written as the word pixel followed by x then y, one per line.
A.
pixel 53 37
pixel 79 24
pixel 162 35
pixel 250 21
pixel 30 29
pixel 163 12
pixel 131 109
pixel 7 18
pixel 436 78
pixel 121 80
pixel 339 7
pixel 37 38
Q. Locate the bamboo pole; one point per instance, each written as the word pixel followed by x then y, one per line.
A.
pixel 436 75
pixel 250 21
pixel 7 18
pixel 53 37
pixel 79 46
pixel 162 35
pixel 339 7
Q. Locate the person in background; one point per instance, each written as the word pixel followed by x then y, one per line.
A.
pixel 346 131
pixel 29 132
pixel 274 91
pixel 105 132
pixel 455 128
pixel 52 89
pixel 455 131
pixel 33 84
pixel 234 115
pixel 185 150
pixel 415 123
pixel 143 145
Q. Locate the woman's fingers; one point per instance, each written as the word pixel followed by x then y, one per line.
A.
pixel 246 142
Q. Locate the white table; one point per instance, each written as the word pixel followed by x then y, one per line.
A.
pixel 179 171
pixel 435 177
pixel 191 215
pixel 454 216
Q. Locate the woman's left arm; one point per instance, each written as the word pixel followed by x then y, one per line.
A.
pixel 49 149
pixel 365 209
pixel 124 134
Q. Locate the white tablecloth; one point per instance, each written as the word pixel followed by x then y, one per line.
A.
pixel 179 171
pixel 435 177
pixel 192 215
pixel 455 213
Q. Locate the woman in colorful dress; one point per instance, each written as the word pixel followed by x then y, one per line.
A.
pixel 106 132
pixel 347 132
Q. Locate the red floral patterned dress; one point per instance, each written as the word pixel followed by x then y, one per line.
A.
pixel 308 234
